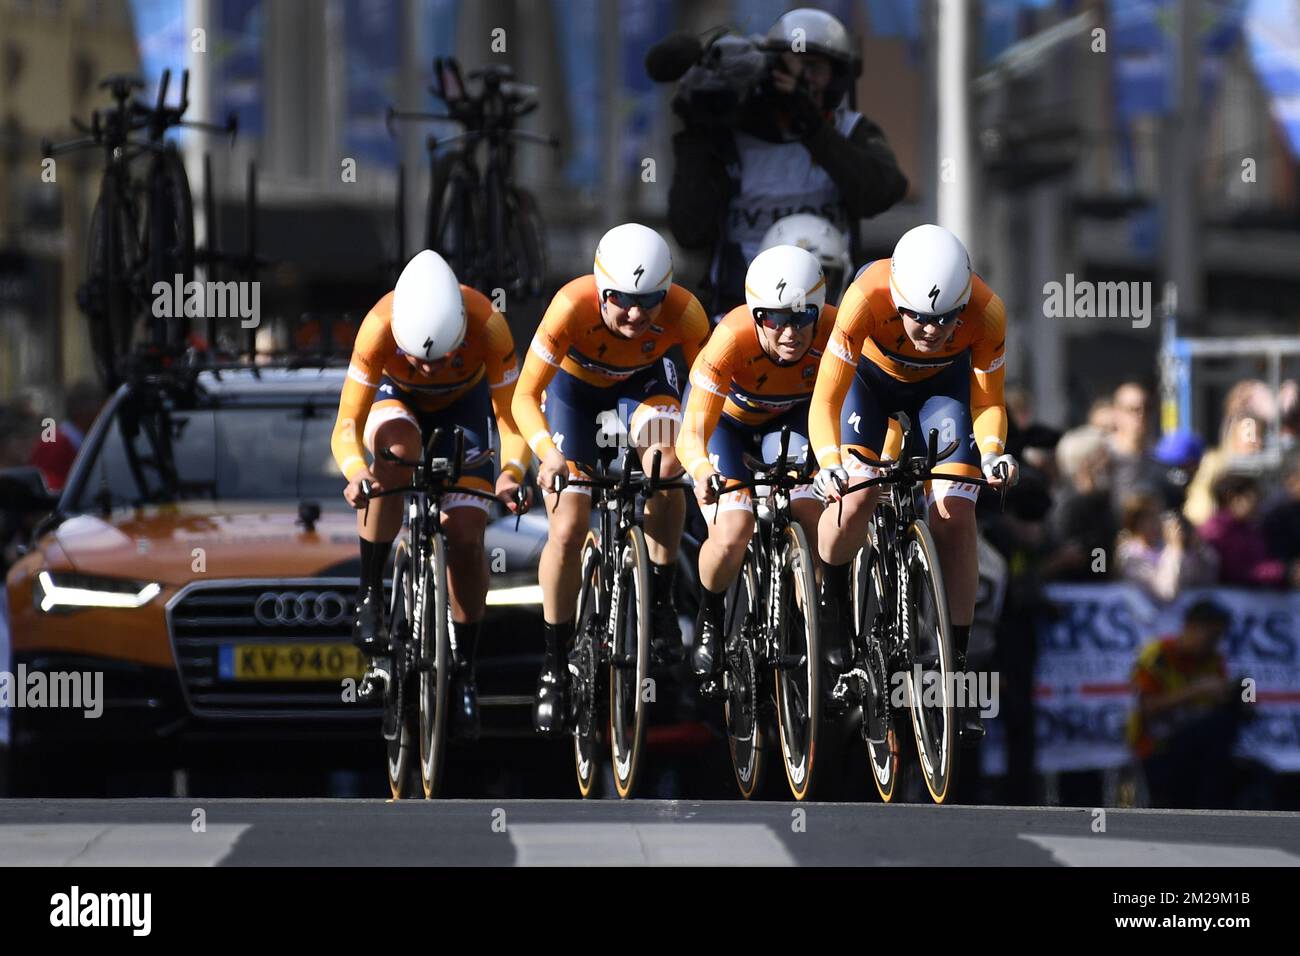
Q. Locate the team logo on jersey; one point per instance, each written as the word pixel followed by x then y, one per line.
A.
pixel 648 346
pixel 809 371
pixel 670 372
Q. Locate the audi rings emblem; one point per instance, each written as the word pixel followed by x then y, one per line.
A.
pixel 301 609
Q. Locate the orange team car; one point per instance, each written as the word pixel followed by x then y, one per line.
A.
pixel 201 560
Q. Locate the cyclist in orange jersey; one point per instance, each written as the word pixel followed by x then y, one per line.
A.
pixel 754 378
pixel 920 334
pixel 431 354
pixel 597 378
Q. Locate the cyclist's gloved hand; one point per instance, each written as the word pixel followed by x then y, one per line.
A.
pixel 1009 472
pixel 831 482
pixel 552 466
pixel 355 495
pixel 508 491
pixel 709 488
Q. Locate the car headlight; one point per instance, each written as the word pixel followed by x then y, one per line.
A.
pixel 82 590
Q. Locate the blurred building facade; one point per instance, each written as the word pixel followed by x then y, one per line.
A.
pixel 1071 147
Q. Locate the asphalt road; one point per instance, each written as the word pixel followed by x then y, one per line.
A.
pixel 196 832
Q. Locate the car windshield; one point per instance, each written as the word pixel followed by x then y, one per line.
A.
pixel 240 452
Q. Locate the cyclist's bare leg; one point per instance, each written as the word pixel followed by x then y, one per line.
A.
pixel 840 535
pixel 384 517
pixel 467 566
pixel 952 522
pixel 723 552
pixel 808 512
pixel 558 571
pixel 665 511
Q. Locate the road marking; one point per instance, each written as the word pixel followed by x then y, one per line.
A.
pixel 107 844
pixel 1101 850
pixel 655 844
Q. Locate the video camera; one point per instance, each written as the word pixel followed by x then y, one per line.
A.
pixel 716 78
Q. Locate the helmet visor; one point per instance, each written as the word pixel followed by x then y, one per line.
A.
pixel 625 300
pixel 777 319
pixel 943 321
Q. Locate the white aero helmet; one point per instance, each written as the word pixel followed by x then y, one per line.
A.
pixel 428 309
pixel 785 277
pixel 632 258
pixel 930 272
pixel 820 237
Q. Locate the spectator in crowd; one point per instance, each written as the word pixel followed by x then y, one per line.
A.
pixel 1082 522
pixel 1019 533
pixel 1234 532
pixel 1281 521
pixel 795 146
pixel 1188 713
pixel 55 450
pixel 1179 454
pixel 1101 414
pixel 1247 412
pixel 1159 550
pixel 1132 467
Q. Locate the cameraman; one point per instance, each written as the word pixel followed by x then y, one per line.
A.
pixel 792 147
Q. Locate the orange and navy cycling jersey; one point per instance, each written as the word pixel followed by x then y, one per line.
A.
pixel 488 350
pixel 573 338
pixel 869 327
pixel 734 376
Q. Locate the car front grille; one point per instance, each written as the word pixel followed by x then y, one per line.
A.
pixel 209 621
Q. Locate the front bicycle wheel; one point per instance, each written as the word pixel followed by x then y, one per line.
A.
pixel 871 608
pixel 928 635
pixel 584 670
pixel 401 731
pixel 629 660
pixel 434 664
pixel 740 710
pixel 799 708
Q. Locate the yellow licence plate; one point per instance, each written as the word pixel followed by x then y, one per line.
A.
pixel 290 662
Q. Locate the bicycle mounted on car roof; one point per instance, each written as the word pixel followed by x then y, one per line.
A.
pixel 487 227
pixel 127 253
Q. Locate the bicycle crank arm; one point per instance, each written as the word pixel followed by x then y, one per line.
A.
pixel 374 683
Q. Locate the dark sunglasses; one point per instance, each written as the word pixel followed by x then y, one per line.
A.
pixel 776 319
pixel 943 321
pixel 625 300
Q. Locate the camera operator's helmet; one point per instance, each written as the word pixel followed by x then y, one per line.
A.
pixel 633 259
pixel 820 237
pixel 816 31
pixel 785 277
pixel 428 308
pixel 930 272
